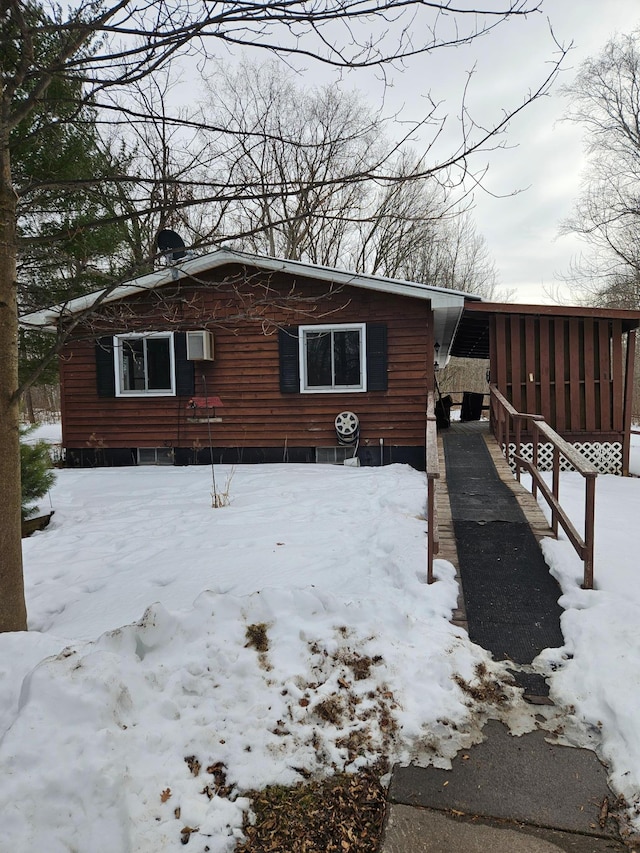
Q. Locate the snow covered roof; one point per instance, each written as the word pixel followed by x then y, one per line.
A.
pixel 446 304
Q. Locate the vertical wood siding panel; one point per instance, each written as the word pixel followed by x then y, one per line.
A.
pixel 560 424
pixel 604 378
pixel 628 399
pixel 576 368
pixel 499 365
pixel 531 373
pixel 617 375
pixel 589 375
pixel 516 363
pixel 544 357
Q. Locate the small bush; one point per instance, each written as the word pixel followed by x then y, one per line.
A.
pixel 222 498
pixel 36 473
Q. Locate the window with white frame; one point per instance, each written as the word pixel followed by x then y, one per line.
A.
pixel 144 364
pixel 333 358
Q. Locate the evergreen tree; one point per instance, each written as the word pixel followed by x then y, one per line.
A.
pixel 36 472
pixel 64 177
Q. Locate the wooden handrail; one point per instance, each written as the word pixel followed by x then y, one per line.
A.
pixel 433 473
pixel 433 466
pixel 577 460
pixel 502 414
pixel 509 408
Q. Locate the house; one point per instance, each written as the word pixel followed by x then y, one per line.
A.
pixel 242 358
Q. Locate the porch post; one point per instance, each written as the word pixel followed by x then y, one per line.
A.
pixel 628 400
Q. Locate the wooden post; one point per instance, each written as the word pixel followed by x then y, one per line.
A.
pixel 628 400
pixel 507 435
pixel 555 488
pixel 534 433
pixel 433 472
pixel 430 522
pixel 589 528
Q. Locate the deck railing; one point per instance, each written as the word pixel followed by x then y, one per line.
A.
pixel 433 473
pixel 507 425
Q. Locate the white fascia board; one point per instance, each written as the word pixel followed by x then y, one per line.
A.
pixel 445 326
pixel 48 318
pixel 441 298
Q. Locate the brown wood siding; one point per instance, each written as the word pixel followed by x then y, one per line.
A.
pixel 628 402
pixel 544 366
pixel 245 374
pixel 516 364
pixel 569 369
pixel 589 376
pixel 498 349
pixel 574 361
pixel 559 376
pixel 531 366
pixel 616 378
pixel 603 392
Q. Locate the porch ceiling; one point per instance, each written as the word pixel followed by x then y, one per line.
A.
pixel 472 335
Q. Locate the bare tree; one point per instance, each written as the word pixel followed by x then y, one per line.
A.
pixel 419 233
pixel 460 259
pixel 106 48
pixel 163 148
pixel 302 148
pixel 400 220
pixel 605 100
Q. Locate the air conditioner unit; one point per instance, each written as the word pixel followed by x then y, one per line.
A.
pixel 200 346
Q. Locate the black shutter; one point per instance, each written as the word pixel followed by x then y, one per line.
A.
pixel 185 370
pixel 376 357
pixel 105 373
pixel 289 360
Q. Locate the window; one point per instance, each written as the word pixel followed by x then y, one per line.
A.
pixel 144 364
pixel 332 358
pixel 155 456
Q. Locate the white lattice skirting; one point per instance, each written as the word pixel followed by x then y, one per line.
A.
pixel 606 455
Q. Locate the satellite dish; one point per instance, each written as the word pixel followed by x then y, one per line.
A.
pixel 171 245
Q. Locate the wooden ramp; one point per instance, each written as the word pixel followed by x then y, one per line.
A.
pixel 490 528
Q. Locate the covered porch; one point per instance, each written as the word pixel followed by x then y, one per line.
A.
pixel 572 367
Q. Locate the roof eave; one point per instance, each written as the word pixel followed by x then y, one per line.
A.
pixel 440 298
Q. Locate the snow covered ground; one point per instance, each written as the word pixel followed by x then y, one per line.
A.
pixel 598 670
pixel 180 656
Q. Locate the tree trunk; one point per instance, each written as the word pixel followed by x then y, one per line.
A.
pixel 13 612
pixel 28 399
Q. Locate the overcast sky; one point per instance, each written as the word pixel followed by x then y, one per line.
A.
pixel 547 162
pixel 544 159
pixel 531 185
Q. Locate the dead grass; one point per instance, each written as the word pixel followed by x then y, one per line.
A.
pixel 344 814
pixel 331 710
pixel 485 689
pixel 222 497
pixel 257 637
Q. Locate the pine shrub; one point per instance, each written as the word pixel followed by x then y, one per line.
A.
pixel 36 472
